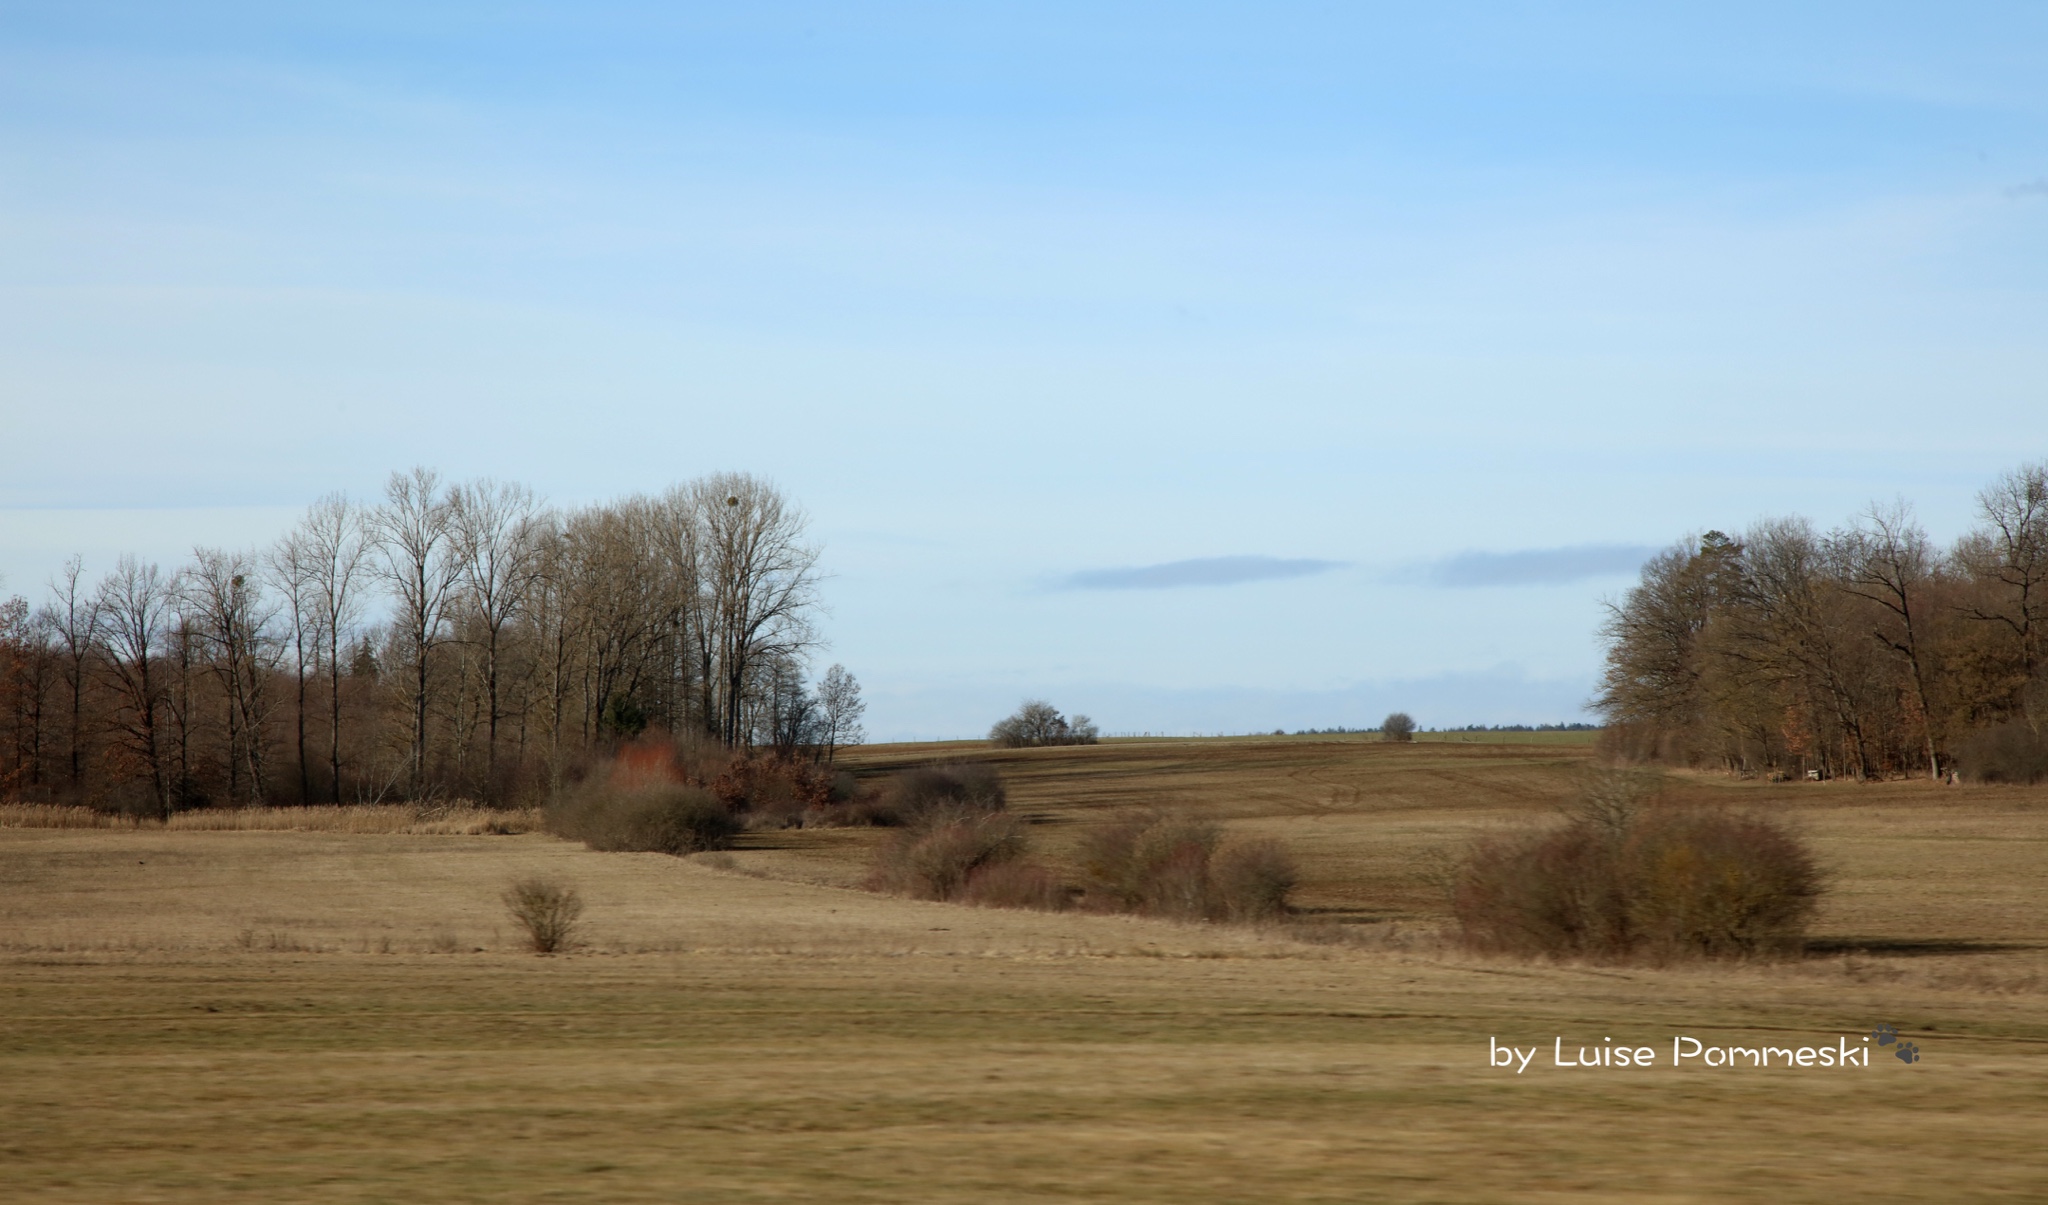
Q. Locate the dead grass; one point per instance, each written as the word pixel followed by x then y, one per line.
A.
pixel 445 820
pixel 335 1017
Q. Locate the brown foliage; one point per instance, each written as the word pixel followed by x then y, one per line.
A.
pixel 2014 751
pixel 1654 882
pixel 916 795
pixel 936 861
pixel 776 791
pixel 1015 885
pixel 1163 864
pixel 1865 651
pixel 640 800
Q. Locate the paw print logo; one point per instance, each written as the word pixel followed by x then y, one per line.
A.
pixel 1886 1035
pixel 1907 1052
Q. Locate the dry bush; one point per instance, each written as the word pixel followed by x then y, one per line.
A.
pixel 935 861
pixel 652 817
pixel 925 794
pixel 764 790
pixel 2010 752
pixel 1399 726
pixel 1141 862
pixel 648 797
pixel 912 798
pixel 547 910
pixel 1015 885
pixel 1718 884
pixel 773 792
pixel 1162 864
pixel 50 815
pixel 1653 882
pixel 1252 879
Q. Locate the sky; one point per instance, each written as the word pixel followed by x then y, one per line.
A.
pixel 1200 367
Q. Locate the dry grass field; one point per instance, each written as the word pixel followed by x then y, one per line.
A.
pixel 279 1014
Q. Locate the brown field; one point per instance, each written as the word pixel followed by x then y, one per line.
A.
pixel 271 1012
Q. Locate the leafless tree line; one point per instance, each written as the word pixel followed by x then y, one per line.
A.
pixel 448 640
pixel 1862 651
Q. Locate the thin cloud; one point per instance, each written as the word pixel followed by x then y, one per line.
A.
pixel 2032 188
pixel 1536 566
pixel 1203 571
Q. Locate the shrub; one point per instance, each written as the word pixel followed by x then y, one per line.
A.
pixel 1162 864
pixel 1038 723
pixel 2009 752
pixel 775 791
pixel 1252 879
pixel 949 788
pixel 1718 885
pixel 935 861
pixel 1014 885
pixel 547 910
pixel 1399 726
pixel 1656 882
pixel 657 817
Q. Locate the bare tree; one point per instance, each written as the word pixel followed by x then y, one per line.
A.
pixel 1653 637
pixel 27 669
pixel 785 715
pixel 291 567
pixel 2016 506
pixel 1792 634
pixel 74 616
pixel 333 543
pixel 497 528
pixel 413 536
pixel 676 540
pixel 692 610
pixel 613 601
pixel 759 588
pixel 135 602
pixel 1888 562
pixel 842 707
pixel 224 601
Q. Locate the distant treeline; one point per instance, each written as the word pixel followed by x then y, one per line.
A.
pixel 449 640
pixel 1520 728
pixel 1466 728
pixel 1861 651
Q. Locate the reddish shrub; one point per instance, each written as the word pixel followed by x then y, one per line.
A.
pixel 935 862
pixel 775 791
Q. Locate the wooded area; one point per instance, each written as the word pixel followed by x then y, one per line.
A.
pixel 452 640
pixel 1863 651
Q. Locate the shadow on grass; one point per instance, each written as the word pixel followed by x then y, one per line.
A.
pixel 1910 947
pixel 1344 916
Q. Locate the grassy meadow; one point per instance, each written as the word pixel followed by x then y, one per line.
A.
pixel 286 1011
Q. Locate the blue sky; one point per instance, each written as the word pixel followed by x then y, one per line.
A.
pixel 1200 367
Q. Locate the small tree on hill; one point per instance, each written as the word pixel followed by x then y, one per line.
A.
pixel 842 707
pixel 1038 722
pixel 1399 726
